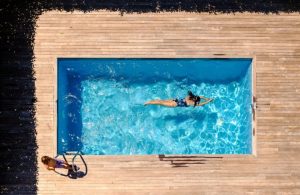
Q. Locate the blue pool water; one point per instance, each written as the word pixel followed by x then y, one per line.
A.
pixel 101 111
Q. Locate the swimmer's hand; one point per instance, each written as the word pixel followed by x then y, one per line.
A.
pixel 207 101
pixel 50 168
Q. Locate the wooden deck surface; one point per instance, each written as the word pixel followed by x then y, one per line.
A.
pixel 274 40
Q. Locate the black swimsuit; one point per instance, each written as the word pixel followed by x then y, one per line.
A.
pixel 181 102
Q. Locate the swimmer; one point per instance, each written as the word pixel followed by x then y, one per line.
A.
pixel 52 163
pixel 189 100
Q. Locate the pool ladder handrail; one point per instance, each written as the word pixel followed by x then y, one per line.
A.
pixel 75 153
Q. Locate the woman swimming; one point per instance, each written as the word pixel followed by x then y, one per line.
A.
pixel 189 100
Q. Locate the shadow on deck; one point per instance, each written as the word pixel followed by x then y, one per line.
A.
pixel 185 161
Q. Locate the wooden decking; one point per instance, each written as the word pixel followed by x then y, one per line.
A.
pixel 273 40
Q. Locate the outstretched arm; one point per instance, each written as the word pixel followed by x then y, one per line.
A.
pixel 207 101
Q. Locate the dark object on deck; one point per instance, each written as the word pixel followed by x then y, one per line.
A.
pixel 74 173
pixel 185 160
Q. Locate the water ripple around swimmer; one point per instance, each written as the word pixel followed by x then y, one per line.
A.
pixel 115 121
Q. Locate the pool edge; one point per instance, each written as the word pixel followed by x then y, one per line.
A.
pixel 253 105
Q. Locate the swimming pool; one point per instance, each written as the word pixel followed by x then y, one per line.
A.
pixel 101 106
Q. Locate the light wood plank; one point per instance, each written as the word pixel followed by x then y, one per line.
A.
pixel 273 39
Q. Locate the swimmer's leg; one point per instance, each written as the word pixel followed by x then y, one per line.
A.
pixel 167 103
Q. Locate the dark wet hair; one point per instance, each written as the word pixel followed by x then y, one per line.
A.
pixel 45 159
pixel 193 97
pixel 197 100
pixel 191 94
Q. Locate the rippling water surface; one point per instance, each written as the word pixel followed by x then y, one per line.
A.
pixel 113 119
